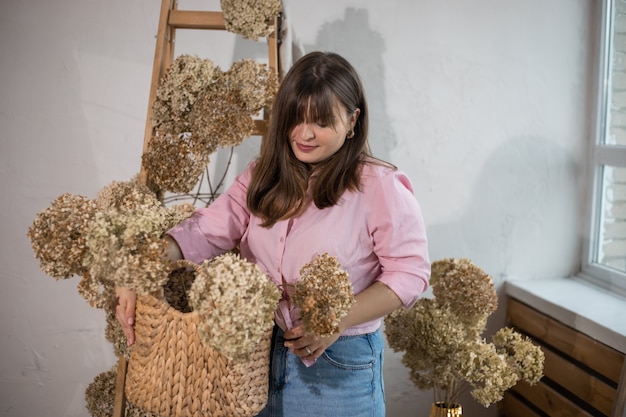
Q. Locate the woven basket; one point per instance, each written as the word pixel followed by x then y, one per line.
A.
pixel 171 373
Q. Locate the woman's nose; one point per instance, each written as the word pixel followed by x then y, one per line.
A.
pixel 304 131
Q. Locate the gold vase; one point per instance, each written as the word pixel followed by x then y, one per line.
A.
pixel 441 409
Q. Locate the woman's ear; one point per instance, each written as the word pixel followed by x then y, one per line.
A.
pixel 354 117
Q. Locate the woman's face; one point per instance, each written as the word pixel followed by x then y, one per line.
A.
pixel 313 143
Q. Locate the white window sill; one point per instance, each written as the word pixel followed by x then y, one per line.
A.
pixel 580 305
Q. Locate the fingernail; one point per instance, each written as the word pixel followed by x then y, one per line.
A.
pixel 131 321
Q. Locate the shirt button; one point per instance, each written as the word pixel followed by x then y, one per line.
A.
pixel 282 239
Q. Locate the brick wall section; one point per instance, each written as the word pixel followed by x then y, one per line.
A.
pixel 614 233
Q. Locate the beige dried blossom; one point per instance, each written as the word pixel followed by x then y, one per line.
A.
pixel 123 240
pixel 57 235
pixel 523 355
pixel 198 110
pixel 219 116
pixel 488 371
pixel 253 83
pixel 442 341
pixel 177 213
pixel 236 301
pixel 175 162
pixel 100 397
pixel 126 248
pixel 93 291
pixel 185 80
pixel 464 287
pixel 250 18
pixel 126 195
pixel 324 295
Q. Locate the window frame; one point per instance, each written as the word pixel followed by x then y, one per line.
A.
pixel 601 154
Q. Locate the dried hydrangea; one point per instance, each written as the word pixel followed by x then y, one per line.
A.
pixel 219 116
pixel 93 291
pixel 198 110
pixel 175 162
pixel 236 302
pixel 523 355
pixel 185 80
pixel 488 372
pixel 254 84
pixel 57 235
pixel 251 19
pixel 324 295
pixel 125 247
pixel 126 195
pixel 464 287
pixel 100 397
pixel 124 239
pixel 441 338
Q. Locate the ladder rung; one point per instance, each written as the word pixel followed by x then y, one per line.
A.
pixel 260 127
pixel 188 19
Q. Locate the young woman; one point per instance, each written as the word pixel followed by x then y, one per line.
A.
pixel 314 189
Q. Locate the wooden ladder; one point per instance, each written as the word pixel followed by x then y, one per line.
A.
pixel 171 19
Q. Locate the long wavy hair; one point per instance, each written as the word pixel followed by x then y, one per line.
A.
pixel 309 92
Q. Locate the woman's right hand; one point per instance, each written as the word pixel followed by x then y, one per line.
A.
pixel 125 312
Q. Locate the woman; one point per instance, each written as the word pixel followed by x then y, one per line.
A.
pixel 314 189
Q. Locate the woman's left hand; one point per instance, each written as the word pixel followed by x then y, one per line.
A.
pixel 306 344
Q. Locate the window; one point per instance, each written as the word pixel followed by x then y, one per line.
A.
pixel 604 260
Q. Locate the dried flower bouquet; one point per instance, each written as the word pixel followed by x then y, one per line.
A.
pixel 441 338
pixel 324 294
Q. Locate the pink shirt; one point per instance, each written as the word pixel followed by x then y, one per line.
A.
pixel 376 234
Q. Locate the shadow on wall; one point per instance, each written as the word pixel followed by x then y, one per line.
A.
pixel 354 39
pixel 523 218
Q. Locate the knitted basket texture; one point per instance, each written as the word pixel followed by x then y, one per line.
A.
pixel 171 373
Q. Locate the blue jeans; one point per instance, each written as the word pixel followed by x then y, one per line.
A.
pixel 346 381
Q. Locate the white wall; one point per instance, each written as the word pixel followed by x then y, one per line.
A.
pixel 483 103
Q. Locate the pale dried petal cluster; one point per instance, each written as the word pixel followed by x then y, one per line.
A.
pixel 523 355
pixel 236 301
pixel 175 161
pixel 126 246
pixel 441 338
pixel 250 18
pixel 253 84
pixel 198 109
pixel 324 295
pixel 464 287
pixel 100 397
pixel 220 119
pixel 57 235
pixel 126 195
pixel 488 371
pixel 185 80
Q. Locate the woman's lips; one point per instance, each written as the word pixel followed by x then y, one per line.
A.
pixel 305 148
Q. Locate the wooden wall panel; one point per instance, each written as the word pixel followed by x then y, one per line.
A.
pixel 581 375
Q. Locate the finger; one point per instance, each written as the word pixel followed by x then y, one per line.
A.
pixel 129 313
pixel 294 333
pixel 121 313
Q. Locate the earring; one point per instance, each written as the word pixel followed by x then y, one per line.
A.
pixel 350 134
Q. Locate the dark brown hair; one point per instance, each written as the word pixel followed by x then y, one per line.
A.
pixel 310 92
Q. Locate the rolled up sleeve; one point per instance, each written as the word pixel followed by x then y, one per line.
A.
pixel 218 228
pixel 399 235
